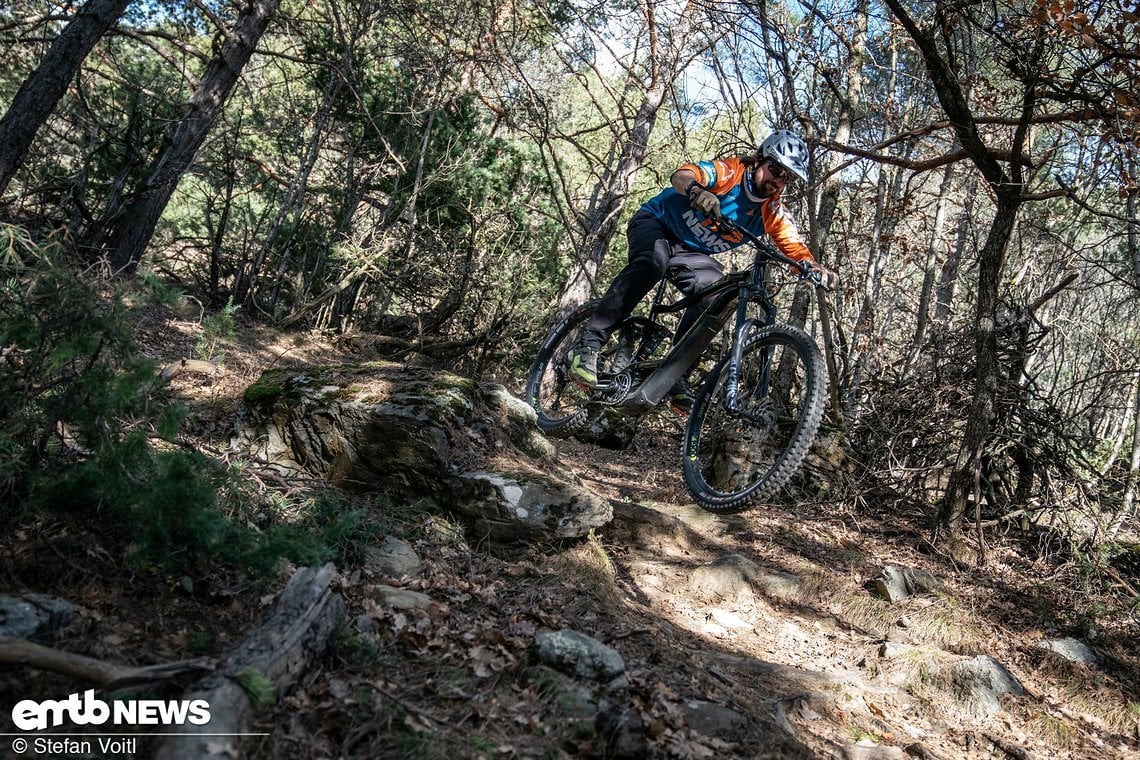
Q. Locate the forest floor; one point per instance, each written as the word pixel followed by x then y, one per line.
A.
pixel 798 661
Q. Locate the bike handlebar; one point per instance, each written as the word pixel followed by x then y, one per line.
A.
pixel 806 270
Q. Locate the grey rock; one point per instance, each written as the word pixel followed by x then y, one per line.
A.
pixel 919 581
pixel 777 585
pixel 1071 649
pixel 579 654
pixel 509 509
pixel 420 435
pixel 889 650
pixel 979 681
pixel 394 558
pixel 894 584
pixel 402 599
pixel 890 585
pixel 33 616
pixel 522 421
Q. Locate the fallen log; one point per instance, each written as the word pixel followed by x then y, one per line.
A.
pixel 167 373
pixel 273 655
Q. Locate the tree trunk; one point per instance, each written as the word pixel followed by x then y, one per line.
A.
pixel 276 654
pixel 37 97
pixel 1130 204
pixel 1128 505
pixel 821 222
pixel 245 282
pixel 139 216
pixel 864 338
pixel 987 372
pixel 608 202
pixel 923 316
pixel 948 277
pixel 829 197
pixel 1123 425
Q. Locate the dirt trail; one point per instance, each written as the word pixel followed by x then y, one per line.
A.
pixel 772 609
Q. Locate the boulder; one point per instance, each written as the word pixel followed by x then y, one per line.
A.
pixel 393 558
pixel 472 448
pixel 894 584
pixel 728 579
pixel 979 681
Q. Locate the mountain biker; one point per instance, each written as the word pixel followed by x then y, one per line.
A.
pixel 676 230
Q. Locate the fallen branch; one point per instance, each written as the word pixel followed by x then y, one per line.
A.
pixel 107 675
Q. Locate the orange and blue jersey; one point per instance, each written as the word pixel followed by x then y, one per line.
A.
pixel 731 181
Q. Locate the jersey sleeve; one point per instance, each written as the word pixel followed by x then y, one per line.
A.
pixel 718 176
pixel 782 229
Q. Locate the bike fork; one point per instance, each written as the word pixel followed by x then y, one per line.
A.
pixel 732 382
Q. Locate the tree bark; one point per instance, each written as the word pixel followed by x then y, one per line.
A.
pixel 139 215
pixel 1130 204
pixel 821 221
pixel 1128 503
pixel 868 323
pixel 1007 186
pixel 38 95
pixel 609 200
pixel 987 371
pixel 948 277
pixel 829 197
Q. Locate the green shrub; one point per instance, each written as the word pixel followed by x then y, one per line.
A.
pixel 77 403
pixel 70 380
pixel 218 329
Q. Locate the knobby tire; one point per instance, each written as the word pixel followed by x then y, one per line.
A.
pixel 561 406
pixel 732 461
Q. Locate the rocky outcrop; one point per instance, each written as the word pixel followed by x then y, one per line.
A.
pixel 472 448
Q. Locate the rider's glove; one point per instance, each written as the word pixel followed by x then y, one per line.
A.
pixel 827 279
pixel 704 201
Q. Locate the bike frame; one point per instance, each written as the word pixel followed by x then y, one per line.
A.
pixel 737 289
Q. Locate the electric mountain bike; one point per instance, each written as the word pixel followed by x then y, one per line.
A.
pixel 757 410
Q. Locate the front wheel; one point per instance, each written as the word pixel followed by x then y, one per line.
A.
pixel 742 451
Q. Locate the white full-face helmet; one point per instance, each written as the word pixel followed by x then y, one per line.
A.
pixel 788 150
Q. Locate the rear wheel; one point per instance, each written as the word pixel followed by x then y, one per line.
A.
pixel 563 408
pixel 734 457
